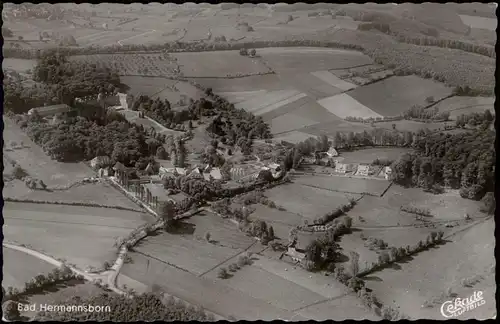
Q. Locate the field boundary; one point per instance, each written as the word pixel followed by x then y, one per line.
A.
pixel 75 204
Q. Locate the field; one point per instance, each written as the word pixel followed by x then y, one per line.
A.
pixel 162 88
pixel 268 82
pixel 19 267
pixel 18 65
pixel 93 193
pixel 367 155
pixel 307 201
pixel 154 64
pixel 376 96
pixel 343 105
pixel 81 235
pixel 401 286
pixel 466 105
pixel 344 184
pixel 33 159
pixel 218 64
pixel 291 60
pixel 480 22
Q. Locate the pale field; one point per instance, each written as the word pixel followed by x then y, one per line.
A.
pixel 280 104
pixel 19 268
pixel 33 159
pixel 204 292
pixel 223 232
pixel 467 253
pixel 343 105
pixel 466 105
pixel 274 215
pixel 305 200
pixel 218 64
pixel 329 128
pixel 391 96
pixel 162 88
pixel 479 22
pixel 313 86
pixel 269 98
pixel 333 80
pixel 287 108
pixel 185 252
pixel 81 235
pixel 237 97
pixel 344 184
pixel 412 126
pixel 93 193
pixel 19 65
pixel 304 59
pixel 367 155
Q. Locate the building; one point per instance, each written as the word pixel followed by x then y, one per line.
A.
pixel 48 111
pixel 274 167
pixel 216 173
pixel 332 152
pixel 387 171
pixel 166 167
pixel 100 162
pixel 295 254
pixel 343 168
pixel 363 170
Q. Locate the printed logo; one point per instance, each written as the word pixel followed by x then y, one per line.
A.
pixel 458 306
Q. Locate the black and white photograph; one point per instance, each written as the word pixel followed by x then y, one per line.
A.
pixel 248 161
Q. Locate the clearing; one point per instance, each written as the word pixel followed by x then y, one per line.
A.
pixel 367 155
pixel 19 268
pixel 333 80
pixel 33 159
pixel 307 201
pixel 391 96
pixel 218 64
pixel 343 184
pixel 65 231
pixel 19 65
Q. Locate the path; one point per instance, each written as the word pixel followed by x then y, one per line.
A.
pixel 148 32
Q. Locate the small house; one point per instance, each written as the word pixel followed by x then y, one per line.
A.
pixel 332 152
pixel 100 162
pixel 166 167
pixel 363 170
pixel 343 168
pixel 216 173
pixel 387 171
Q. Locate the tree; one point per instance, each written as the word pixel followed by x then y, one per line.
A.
pixel 348 222
pixel 489 203
pixel 20 38
pixel 222 273
pixel 6 32
pixel 10 310
pixel 243 51
pixel 354 263
pixel 253 52
pixel 161 153
pixel 207 236
pixel 270 232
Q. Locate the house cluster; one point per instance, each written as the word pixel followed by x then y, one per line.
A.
pixel 320 157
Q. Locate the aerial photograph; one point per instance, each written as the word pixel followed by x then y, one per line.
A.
pixel 231 161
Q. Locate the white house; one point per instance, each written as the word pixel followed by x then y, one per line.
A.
pixel 295 255
pixel 363 170
pixel 332 152
pixel 343 167
pixel 387 171
pixel 100 162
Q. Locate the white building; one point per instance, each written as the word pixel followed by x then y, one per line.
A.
pixel 363 170
pixel 343 168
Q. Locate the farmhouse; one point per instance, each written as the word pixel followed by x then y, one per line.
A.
pixel 166 167
pixel 212 174
pixel 100 162
pixel 48 111
pixel 386 172
pixel 297 255
pixel 332 152
pixel 363 170
pixel 343 167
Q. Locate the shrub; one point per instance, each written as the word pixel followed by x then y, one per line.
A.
pixel 222 274
pixel 10 310
pixel 207 236
pixel 233 267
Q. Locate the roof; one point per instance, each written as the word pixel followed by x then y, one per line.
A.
pixel 167 164
pixel 273 165
pixel 363 167
pixel 216 174
pixel 102 159
pixel 181 171
pixel 332 151
pixel 156 190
